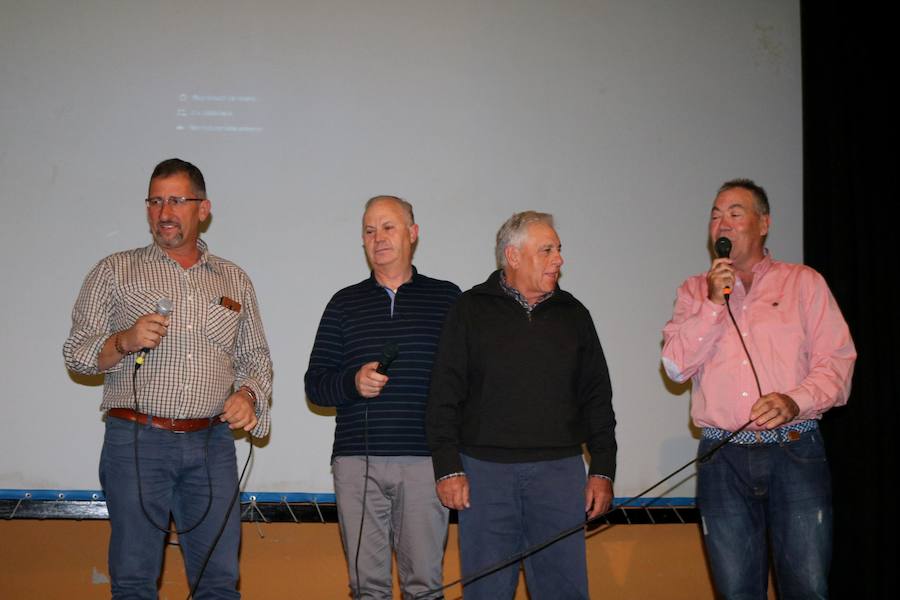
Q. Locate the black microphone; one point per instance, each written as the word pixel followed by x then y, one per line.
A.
pixel 723 250
pixel 164 308
pixel 723 247
pixel 388 355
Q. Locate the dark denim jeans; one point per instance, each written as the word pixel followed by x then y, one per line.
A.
pixel 514 506
pixel 173 479
pixel 745 492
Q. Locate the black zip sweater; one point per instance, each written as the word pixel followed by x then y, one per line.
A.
pixel 512 387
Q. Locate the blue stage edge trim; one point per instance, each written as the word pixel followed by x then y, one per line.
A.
pixel 276 497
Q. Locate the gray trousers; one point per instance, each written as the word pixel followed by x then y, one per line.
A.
pixel 403 514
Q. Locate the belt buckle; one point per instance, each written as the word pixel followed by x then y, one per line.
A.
pixel 793 435
pixel 172 426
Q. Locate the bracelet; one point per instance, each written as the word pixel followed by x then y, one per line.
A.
pixel 451 475
pixel 118 346
pixel 250 393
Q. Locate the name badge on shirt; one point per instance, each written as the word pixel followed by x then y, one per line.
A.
pixel 230 304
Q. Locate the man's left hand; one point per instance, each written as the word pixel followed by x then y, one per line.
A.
pixel 774 410
pixel 598 495
pixel 239 412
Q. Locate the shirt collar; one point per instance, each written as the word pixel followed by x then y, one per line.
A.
pixel 762 266
pixel 411 279
pixel 518 297
pixel 156 254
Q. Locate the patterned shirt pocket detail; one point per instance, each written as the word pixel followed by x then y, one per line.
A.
pixel 222 327
pixel 139 301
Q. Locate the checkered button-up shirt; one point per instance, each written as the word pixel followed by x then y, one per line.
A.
pixel 213 346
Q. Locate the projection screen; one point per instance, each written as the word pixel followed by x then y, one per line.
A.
pixel 620 117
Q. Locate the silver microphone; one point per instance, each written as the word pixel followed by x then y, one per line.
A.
pixel 164 308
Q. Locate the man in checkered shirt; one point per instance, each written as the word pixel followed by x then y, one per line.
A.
pixel 206 371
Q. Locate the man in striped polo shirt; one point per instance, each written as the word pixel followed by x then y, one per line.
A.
pixel 381 462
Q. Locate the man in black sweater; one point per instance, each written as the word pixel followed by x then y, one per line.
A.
pixel 519 383
pixel 380 450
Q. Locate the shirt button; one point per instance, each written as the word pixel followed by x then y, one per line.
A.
pixel 744 307
pixel 190 356
pixel 699 339
pixel 744 394
pixel 744 362
pixel 190 326
pixel 715 313
pixel 744 333
pixel 187 386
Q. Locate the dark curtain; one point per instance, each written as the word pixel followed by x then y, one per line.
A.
pixel 851 212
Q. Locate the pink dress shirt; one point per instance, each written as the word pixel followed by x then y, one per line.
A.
pixel 793 328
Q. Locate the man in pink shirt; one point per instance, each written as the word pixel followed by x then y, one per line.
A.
pixel 771 481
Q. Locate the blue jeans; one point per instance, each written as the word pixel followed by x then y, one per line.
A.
pixel 173 480
pixel 514 506
pixel 745 492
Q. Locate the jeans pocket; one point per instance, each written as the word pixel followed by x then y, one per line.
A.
pixel 119 433
pixel 705 446
pixel 809 449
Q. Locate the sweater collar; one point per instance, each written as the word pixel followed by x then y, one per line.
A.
pixel 492 287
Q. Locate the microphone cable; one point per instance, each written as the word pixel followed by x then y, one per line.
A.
pixel 215 542
pixel 743 345
pixel 466 580
pixel 388 355
pixel 723 247
pixel 164 308
pixel 362 514
pixel 519 556
pixel 137 465
pixel 202 518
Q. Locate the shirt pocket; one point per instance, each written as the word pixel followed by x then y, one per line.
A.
pixel 777 327
pixel 138 301
pixel 222 327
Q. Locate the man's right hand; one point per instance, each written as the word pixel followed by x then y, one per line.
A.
pixel 147 332
pixel 453 492
pixel 368 381
pixel 719 277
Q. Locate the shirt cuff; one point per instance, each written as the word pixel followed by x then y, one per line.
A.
pixel 97 348
pixel 805 403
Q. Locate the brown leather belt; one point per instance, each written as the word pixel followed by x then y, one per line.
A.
pixel 175 425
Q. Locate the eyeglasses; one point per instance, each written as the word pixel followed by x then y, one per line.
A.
pixel 172 201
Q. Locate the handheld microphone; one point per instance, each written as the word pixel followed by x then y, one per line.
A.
pixel 164 308
pixel 388 355
pixel 723 247
pixel 723 250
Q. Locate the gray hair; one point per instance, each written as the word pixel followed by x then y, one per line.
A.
pixel 405 206
pixel 513 232
pixel 760 198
